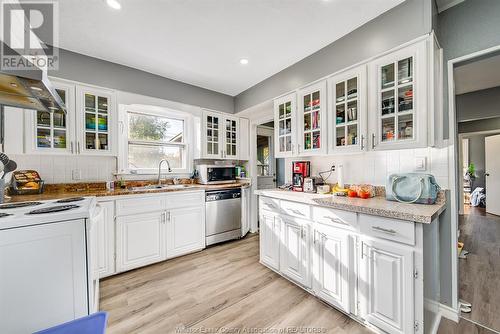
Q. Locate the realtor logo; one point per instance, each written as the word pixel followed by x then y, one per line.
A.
pixel 29 32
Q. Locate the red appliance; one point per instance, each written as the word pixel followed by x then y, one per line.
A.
pixel 300 170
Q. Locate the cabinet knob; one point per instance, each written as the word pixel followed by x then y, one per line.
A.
pixel 373 141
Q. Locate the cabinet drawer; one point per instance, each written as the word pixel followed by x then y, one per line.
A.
pixel 270 204
pixel 388 228
pixel 345 219
pixel 295 209
pixel 182 200
pixel 135 205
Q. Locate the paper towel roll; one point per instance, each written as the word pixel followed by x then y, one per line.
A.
pixel 340 176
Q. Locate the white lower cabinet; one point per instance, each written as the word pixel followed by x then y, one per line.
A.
pixel 150 229
pixel 269 239
pixel 139 240
pixel 386 276
pixel 331 262
pixel 185 231
pixel 294 250
pixel 377 280
pixel 105 236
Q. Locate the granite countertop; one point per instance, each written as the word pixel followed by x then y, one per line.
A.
pixel 84 190
pixel 378 205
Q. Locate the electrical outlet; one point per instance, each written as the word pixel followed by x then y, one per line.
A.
pixel 420 163
pixel 76 174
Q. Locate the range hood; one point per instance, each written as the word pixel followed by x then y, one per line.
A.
pixel 29 90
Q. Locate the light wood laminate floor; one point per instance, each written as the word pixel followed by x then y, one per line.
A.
pixel 222 286
pixel 479 274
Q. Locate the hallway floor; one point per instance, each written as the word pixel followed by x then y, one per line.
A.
pixel 479 279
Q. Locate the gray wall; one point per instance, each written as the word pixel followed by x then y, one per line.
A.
pixel 471 26
pixel 476 157
pixel 78 67
pixel 480 125
pixel 411 19
pixel 478 105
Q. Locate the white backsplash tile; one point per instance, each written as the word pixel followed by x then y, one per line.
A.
pixel 375 167
pixel 59 168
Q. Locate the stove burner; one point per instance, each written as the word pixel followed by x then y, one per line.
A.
pixel 71 199
pixel 19 205
pixel 2 214
pixel 52 209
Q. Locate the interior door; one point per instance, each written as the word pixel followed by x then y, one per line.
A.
pixel 492 164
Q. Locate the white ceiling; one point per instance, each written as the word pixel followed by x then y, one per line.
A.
pixel 481 74
pixel 201 41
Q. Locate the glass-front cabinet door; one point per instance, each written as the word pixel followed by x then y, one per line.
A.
pixel 312 115
pixel 401 99
pixel 231 138
pixel 285 126
pixel 95 111
pixel 52 131
pixel 347 111
pixel 213 128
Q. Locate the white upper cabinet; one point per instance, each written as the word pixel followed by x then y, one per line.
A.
pixel 285 126
pixel 312 119
pixel 220 136
pixel 96 110
pixel 347 117
pixel 53 132
pixel 398 91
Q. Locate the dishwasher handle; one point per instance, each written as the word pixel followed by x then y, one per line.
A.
pixel 220 195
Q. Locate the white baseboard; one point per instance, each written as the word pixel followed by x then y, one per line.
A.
pixel 448 312
pixel 435 327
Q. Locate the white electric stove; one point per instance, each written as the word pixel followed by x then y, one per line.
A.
pixel 47 252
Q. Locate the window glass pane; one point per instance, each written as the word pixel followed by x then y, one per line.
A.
pixel 388 129
pixel 340 91
pixel 89 102
pixel 405 127
pixel 352 134
pixel 340 140
pixel 387 76
pixel 405 98
pixel 147 157
pixel 59 118
pixel 352 111
pixel 405 70
pixel 59 139
pixel 43 138
pixel 352 88
pixel 102 104
pixel 155 128
pixel 388 102
pixel 43 118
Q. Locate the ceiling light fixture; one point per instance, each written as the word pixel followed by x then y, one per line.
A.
pixel 243 61
pixel 114 4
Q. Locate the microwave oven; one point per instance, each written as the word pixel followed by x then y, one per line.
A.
pixel 215 174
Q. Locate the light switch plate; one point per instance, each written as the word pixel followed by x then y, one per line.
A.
pixel 421 163
pixel 76 174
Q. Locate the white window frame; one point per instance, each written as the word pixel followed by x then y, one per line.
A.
pixel 123 167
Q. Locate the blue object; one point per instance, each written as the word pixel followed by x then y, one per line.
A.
pixel 92 324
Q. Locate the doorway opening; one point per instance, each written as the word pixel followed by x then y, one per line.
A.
pixel 477 121
pixel 270 171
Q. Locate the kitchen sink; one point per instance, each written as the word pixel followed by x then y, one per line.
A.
pixel 160 187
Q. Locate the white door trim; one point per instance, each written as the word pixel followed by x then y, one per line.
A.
pixel 453 167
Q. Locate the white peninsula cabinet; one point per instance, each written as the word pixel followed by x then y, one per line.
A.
pixel 369 267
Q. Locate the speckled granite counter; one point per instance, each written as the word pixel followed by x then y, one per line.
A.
pixel 377 206
pixel 98 190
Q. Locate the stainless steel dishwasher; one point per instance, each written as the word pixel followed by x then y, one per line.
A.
pixel 223 215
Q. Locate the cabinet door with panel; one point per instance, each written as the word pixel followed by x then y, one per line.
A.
pixel 331 261
pixel 231 138
pixel 185 231
pixel 105 231
pixel 387 285
pixel 95 111
pixel 294 251
pixel 312 119
pixel 269 239
pixel 398 102
pixel 53 131
pixel 347 116
pixel 140 240
pixel 212 135
pixel 285 126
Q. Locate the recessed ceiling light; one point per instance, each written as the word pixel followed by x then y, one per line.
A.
pixel 114 4
pixel 243 61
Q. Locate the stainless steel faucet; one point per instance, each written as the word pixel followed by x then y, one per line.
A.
pixel 159 169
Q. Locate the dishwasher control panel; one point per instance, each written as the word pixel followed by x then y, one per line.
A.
pixel 219 195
